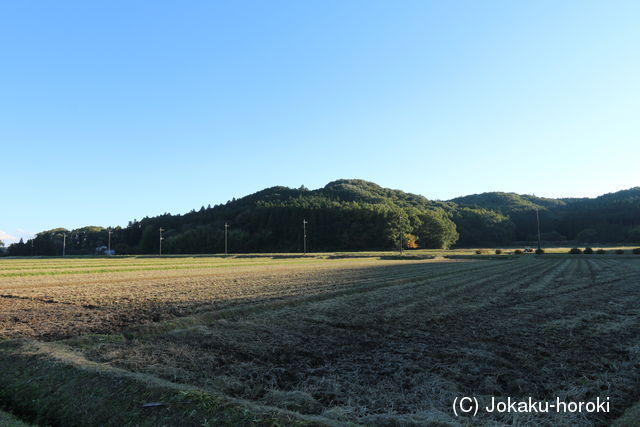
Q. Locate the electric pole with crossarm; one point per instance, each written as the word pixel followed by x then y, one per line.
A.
pixel 304 236
pixel 538 222
pixel 226 232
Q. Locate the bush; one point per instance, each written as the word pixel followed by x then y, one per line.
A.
pixel 539 251
pixel 636 251
pixel 518 252
pixel 619 251
pixel 478 251
pixel 601 252
pixel 498 251
pixel 588 250
pixel 575 251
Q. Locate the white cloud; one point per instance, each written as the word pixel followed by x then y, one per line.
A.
pixel 15 236
pixel 7 238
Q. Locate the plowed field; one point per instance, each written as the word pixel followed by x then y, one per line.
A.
pixel 362 341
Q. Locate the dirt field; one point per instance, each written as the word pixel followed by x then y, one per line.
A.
pixel 58 302
pixel 358 340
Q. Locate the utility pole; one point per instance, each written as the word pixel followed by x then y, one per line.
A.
pixel 304 234
pixel 226 232
pixel 109 244
pixel 32 239
pixel 538 221
pixel 161 230
pixel 400 235
pixel 64 243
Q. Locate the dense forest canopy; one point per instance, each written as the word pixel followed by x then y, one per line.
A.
pixel 351 214
pixel 610 218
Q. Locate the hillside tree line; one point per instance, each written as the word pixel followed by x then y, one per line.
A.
pixel 351 215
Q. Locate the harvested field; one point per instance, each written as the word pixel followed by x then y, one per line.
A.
pixel 353 340
pixel 65 304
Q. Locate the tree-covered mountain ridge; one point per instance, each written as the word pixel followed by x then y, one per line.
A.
pixel 354 214
pixel 609 218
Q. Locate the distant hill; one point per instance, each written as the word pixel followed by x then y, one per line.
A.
pixel 507 203
pixel 610 218
pixel 353 214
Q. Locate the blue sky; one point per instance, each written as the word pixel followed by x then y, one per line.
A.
pixel 115 110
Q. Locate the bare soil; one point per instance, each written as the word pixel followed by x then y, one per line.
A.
pixel 385 342
pixel 399 352
pixel 51 307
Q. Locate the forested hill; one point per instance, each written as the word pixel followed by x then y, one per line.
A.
pixel 610 218
pixel 359 215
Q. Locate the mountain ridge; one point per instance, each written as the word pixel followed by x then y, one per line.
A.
pixel 355 214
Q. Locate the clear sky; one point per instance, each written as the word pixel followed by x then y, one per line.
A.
pixel 115 110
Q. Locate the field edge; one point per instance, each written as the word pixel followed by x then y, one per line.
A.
pixel 48 384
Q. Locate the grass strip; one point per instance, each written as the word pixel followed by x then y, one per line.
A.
pixel 8 420
pixel 48 384
pixel 133 269
pixel 187 266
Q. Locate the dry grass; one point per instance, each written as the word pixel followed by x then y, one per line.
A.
pixel 64 305
pixel 8 420
pixel 540 327
pixel 360 340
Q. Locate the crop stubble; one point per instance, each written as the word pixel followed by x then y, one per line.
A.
pixel 372 342
pixel 540 327
pixel 59 306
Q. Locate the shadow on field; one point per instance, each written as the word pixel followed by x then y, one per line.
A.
pixel 386 343
pixel 484 257
pixel 57 307
pixel 401 342
pixel 406 257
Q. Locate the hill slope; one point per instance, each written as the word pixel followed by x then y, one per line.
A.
pixel 353 214
pixel 613 217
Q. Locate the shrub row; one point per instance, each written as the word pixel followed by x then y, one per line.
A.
pixel 520 251
pixel 590 251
